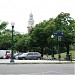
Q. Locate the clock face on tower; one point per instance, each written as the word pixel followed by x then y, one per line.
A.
pixel 31 23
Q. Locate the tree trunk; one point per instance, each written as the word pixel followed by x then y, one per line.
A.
pixel 67 55
pixel 41 51
pixel 67 49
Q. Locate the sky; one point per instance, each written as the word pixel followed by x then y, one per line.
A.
pixel 18 11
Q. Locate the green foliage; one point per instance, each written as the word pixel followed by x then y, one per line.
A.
pixel 64 23
pixel 22 44
pixel 41 34
pixel 3 25
pixel 39 38
pixel 5 41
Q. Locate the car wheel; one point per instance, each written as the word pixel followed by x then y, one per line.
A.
pixel 23 58
pixel 38 58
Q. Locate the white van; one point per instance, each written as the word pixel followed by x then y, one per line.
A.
pixel 4 52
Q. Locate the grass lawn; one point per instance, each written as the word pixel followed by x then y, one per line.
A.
pixel 63 55
pixel 73 54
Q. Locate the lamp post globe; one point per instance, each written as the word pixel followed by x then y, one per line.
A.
pixel 52 36
pixel 12 25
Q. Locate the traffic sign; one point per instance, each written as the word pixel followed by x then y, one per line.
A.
pixel 58 33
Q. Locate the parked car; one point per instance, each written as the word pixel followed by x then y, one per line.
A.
pixel 29 56
pixel 15 56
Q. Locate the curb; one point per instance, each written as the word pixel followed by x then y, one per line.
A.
pixel 41 63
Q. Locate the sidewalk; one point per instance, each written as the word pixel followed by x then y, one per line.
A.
pixel 7 61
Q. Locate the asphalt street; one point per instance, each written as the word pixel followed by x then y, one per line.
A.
pixel 37 69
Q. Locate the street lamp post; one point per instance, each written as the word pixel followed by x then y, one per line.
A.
pixel 59 35
pixel 12 25
pixel 52 36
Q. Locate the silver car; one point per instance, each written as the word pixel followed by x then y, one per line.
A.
pixel 30 56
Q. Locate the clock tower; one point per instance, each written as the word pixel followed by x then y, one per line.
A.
pixel 30 23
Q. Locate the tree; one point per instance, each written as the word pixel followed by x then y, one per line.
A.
pixel 39 36
pixel 6 38
pixel 2 37
pixel 22 44
pixel 5 41
pixel 64 23
pixel 3 25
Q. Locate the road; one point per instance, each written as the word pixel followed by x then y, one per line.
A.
pixel 37 69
